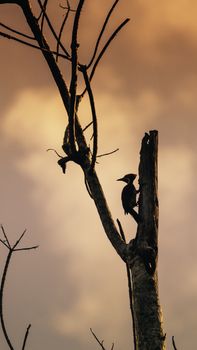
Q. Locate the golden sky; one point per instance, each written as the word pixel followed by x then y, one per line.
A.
pixel 147 80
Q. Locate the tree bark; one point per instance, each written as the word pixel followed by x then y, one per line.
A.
pixel 147 309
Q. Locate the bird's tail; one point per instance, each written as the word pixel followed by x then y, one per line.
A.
pixel 135 215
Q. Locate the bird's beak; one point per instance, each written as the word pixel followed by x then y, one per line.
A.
pixel 122 179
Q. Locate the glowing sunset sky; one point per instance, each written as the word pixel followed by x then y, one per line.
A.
pixel 147 80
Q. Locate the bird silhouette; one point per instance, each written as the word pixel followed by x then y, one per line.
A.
pixel 128 196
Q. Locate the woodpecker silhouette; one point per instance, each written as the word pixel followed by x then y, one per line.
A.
pixel 128 196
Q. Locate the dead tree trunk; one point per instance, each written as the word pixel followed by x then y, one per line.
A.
pixel 147 311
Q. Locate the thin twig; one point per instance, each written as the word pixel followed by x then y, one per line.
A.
pixel 104 50
pixel 6 238
pixel 107 154
pixel 173 343
pixel 26 336
pixel 87 126
pixel 100 342
pixel 94 117
pixel 43 15
pixel 3 242
pixel 11 249
pixel 61 29
pixel 26 248
pixel 73 84
pixel 42 42
pixel 129 287
pixel 66 8
pixel 101 33
pixel 17 32
pixel 11 37
pixel 54 150
pixel 3 279
pixel 18 240
pixel 107 45
pixel 52 29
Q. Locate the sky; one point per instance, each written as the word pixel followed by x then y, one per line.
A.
pixel 146 81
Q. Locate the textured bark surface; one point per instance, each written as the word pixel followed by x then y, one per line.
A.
pixel 147 310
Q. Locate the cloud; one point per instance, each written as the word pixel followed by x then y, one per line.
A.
pixel 35 119
pixel 72 241
pixel 146 81
pixel 176 177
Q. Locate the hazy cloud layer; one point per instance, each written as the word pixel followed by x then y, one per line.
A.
pixel 146 81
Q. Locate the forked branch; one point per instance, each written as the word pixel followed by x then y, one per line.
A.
pixel 55 71
pixel 102 32
pixel 104 49
pixel 43 15
pixel 43 9
pixel 107 45
pixel 11 250
pixel 100 342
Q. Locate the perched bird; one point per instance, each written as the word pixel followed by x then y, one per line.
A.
pixel 128 196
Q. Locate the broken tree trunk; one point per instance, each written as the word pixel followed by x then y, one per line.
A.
pixel 149 333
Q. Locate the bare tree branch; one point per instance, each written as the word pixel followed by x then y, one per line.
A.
pixel 11 37
pixel 107 154
pixel 98 341
pixel 11 250
pixel 52 29
pixel 26 248
pixel 43 15
pixel 55 71
pixel 52 149
pixel 101 32
pixel 18 240
pixel 94 117
pixel 87 126
pixel 73 84
pixel 173 343
pixel 4 243
pixel 18 2
pixel 6 238
pixel 92 179
pixel 26 336
pixel 104 50
pixel 66 7
pixel 17 32
pixel 79 152
pixel 3 279
pixel 107 45
pixel 130 288
pixel 61 29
